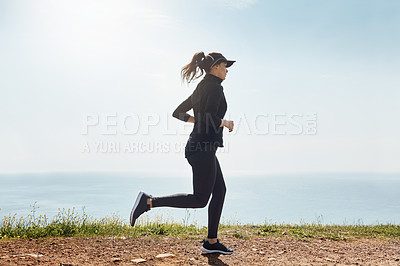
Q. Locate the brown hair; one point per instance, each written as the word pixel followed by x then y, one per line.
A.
pixel 196 67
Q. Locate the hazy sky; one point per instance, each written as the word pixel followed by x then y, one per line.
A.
pixel 91 85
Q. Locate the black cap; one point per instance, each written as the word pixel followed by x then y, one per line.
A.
pixel 219 58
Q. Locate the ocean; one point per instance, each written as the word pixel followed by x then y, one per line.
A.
pixel 342 198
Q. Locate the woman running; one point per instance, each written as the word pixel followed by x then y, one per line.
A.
pixel 209 107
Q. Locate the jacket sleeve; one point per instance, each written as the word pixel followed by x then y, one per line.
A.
pixel 181 111
pixel 214 97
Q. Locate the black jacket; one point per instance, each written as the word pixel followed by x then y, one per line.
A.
pixel 209 107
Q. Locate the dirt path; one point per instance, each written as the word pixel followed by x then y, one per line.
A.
pixel 257 251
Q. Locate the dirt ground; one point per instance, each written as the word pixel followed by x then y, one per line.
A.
pixel 257 251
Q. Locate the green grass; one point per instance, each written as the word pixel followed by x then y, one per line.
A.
pixel 73 223
pixel 70 222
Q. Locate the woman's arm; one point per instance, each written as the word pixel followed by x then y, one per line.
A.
pixel 212 119
pixel 214 96
pixel 181 111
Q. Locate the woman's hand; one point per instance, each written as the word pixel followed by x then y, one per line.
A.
pixel 191 119
pixel 228 124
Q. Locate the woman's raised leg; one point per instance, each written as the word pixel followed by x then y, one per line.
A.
pixel 204 175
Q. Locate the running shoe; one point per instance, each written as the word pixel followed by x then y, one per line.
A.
pixel 215 248
pixel 140 206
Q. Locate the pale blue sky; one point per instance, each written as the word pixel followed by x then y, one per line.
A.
pixel 62 60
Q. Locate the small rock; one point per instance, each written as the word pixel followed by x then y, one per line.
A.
pixel 138 260
pixel 116 260
pixel 192 259
pixel 284 233
pixel 262 253
pixel 254 249
pixel 271 259
pixel 323 248
pixel 281 252
pixel 328 259
pixel 122 237
pixel 34 255
pixel 160 256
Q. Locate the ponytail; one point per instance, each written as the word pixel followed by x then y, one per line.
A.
pixel 196 67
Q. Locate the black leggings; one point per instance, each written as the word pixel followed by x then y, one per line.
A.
pixel 207 181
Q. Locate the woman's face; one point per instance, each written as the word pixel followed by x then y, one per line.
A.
pixel 219 70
